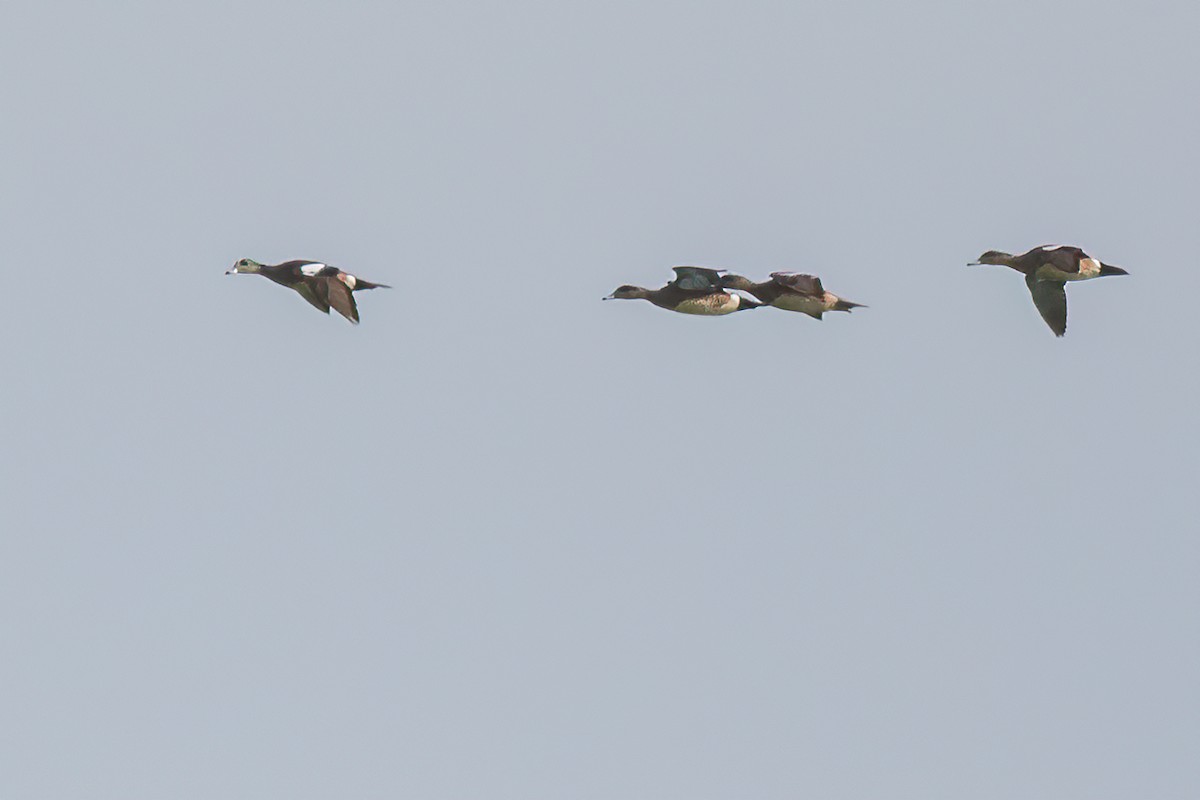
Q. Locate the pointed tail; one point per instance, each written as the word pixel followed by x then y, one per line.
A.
pixel 846 305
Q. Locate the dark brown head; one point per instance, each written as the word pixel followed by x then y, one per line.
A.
pixel 997 257
pixel 732 281
pixel 627 292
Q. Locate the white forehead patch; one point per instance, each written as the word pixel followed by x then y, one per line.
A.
pixel 312 269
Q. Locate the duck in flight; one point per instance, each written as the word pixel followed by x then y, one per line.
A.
pixel 321 285
pixel 791 292
pixel 694 290
pixel 1047 270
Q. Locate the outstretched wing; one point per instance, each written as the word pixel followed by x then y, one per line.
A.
pixel 1050 297
pixel 313 292
pixel 699 279
pixel 800 284
pixel 341 298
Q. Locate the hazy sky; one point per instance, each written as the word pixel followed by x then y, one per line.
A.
pixel 503 540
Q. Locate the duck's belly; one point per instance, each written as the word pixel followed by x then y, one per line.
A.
pixel 805 305
pixel 1088 268
pixel 710 305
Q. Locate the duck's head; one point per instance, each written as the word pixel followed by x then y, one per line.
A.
pixel 246 267
pixel 626 292
pixel 993 257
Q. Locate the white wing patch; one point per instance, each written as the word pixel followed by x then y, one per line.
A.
pixel 1048 247
pixel 311 270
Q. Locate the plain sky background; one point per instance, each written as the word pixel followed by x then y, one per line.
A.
pixel 503 540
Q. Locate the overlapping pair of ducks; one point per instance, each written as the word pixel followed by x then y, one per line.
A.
pixel 698 290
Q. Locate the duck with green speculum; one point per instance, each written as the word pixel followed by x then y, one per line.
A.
pixel 791 291
pixel 694 290
pixel 1047 270
pixel 321 285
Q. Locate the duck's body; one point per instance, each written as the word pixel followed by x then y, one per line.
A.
pixel 711 303
pixel 1053 262
pixel 791 291
pixel 695 290
pixel 321 285
pixel 1047 269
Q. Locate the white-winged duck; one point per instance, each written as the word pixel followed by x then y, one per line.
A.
pixel 321 285
pixel 695 290
pixel 792 291
pixel 1046 270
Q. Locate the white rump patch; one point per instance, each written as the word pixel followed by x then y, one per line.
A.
pixel 348 279
pixel 311 270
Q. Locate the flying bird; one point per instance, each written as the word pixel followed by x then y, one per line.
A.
pixel 694 290
pixel 1047 270
pixel 791 291
pixel 321 285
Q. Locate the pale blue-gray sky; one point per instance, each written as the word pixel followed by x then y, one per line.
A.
pixel 503 540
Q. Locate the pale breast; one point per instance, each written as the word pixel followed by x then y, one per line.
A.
pixel 804 304
pixel 709 305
